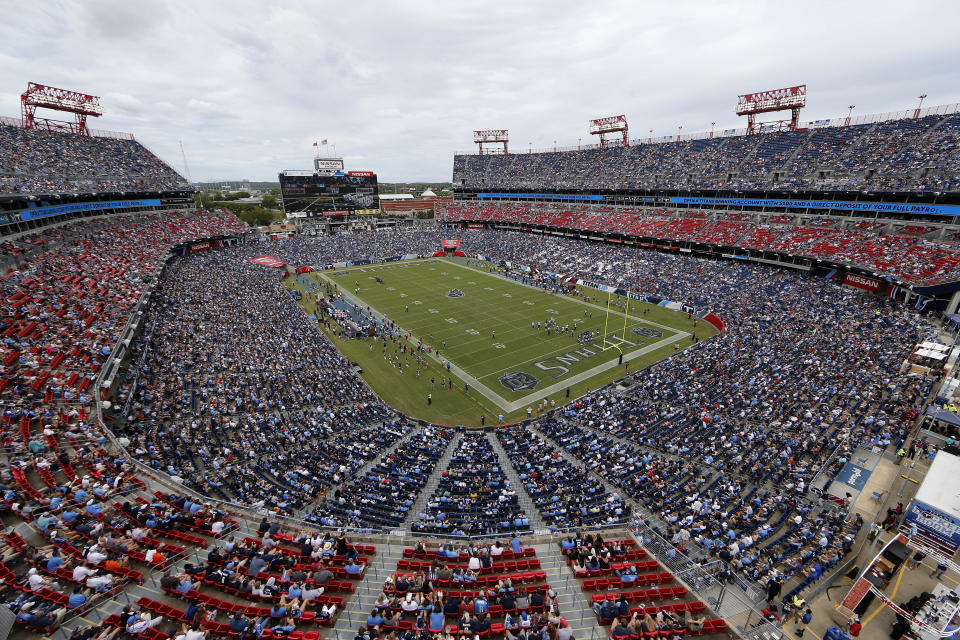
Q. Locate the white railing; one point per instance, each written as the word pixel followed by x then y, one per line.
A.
pixel 96 133
pixel 841 121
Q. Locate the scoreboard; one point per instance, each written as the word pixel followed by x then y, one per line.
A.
pixel 318 194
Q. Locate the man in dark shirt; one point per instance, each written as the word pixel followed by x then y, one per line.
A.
pixel 452 606
pixel 298 575
pixel 214 557
pixel 481 625
pixel 536 598
pixel 238 623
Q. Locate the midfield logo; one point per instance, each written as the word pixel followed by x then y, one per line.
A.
pixel 455 293
pixel 519 381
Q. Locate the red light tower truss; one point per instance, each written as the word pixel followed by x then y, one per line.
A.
pixel 790 98
pixel 79 104
pixel 492 137
pixel 612 124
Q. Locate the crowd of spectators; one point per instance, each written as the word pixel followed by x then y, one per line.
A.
pixel 468 592
pixel 566 496
pixel 384 496
pixel 65 306
pixel 803 367
pixel 238 395
pixel 896 155
pixel 37 161
pixel 909 252
pixel 474 496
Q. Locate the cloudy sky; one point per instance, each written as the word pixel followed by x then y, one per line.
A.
pixel 398 86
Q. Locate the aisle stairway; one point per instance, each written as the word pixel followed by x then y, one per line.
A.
pixel 432 481
pixel 526 502
pixel 574 607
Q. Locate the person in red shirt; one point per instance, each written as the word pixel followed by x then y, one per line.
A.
pixel 855 627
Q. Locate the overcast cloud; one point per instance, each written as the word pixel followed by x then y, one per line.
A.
pixel 398 86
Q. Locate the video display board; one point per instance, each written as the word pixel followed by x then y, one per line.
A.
pixel 321 193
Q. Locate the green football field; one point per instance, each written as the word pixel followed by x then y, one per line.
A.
pixel 506 346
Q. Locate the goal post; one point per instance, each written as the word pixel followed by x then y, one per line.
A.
pixel 621 340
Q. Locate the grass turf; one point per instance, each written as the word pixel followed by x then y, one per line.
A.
pixel 487 334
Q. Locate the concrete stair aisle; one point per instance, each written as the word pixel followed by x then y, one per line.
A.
pixel 574 605
pixel 364 598
pixel 526 502
pixel 433 481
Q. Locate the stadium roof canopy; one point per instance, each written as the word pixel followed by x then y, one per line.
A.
pixel 396 196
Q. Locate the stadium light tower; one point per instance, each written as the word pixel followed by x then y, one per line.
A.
pixel 611 124
pixel 916 114
pixel 788 99
pixel 494 137
pixel 712 124
pixel 849 114
pixel 79 104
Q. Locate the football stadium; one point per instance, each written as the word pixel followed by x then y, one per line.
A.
pixel 701 384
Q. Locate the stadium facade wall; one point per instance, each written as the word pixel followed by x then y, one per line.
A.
pixel 23 214
pixel 943 207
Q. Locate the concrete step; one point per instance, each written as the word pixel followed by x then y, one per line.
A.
pixel 432 481
pixel 523 497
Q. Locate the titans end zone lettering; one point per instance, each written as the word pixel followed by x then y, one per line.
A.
pixel 559 363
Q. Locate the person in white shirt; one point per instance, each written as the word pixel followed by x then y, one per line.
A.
pixel 195 634
pixel 311 594
pixel 409 605
pixel 95 556
pixel 474 563
pixel 217 527
pixel 96 582
pixel 36 582
pixel 139 624
pixel 80 572
pixel 496 549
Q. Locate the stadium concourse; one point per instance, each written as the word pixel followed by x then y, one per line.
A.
pixel 244 481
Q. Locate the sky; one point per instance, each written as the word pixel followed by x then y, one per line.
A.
pixel 398 86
